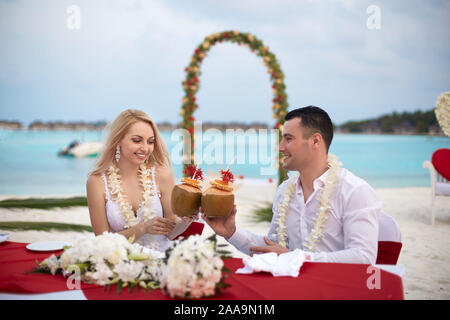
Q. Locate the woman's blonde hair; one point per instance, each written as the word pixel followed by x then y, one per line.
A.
pixel 117 130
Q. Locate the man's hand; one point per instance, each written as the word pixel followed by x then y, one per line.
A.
pixel 223 226
pixel 271 247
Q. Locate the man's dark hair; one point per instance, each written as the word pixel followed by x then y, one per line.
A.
pixel 316 120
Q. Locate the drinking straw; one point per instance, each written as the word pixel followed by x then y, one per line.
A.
pixel 232 161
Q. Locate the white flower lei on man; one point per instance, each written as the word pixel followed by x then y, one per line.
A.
pixel 125 207
pixel 322 215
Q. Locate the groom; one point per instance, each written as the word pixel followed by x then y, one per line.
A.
pixel 351 224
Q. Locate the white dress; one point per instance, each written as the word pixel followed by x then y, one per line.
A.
pixel 117 223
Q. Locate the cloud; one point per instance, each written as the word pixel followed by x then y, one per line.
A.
pixel 132 53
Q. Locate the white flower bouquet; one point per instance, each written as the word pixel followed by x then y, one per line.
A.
pixel 106 260
pixel 190 268
pixel 442 112
pixel 193 268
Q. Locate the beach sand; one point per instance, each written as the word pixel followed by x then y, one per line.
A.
pixel 425 253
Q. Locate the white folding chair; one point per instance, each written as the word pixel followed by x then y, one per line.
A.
pixel 439 187
pixel 388 228
pixel 389 240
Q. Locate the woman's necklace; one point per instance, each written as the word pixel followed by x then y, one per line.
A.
pixel 125 208
pixel 322 214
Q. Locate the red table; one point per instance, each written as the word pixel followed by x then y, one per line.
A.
pixel 316 281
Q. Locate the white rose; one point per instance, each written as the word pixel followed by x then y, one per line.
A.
pixel 66 259
pixel 52 263
pixel 102 274
pixel 127 271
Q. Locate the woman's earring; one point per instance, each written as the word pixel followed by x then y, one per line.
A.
pixel 117 154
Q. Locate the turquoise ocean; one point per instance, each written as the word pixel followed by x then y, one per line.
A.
pixel 29 164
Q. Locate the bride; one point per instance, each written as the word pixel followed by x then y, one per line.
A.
pixel 129 190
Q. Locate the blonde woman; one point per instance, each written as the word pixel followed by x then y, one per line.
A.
pixel 129 190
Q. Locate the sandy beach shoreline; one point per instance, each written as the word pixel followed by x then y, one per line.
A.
pixel 425 253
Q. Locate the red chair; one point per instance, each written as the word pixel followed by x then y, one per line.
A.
pixel 194 228
pixel 439 168
pixel 388 252
pixel 389 240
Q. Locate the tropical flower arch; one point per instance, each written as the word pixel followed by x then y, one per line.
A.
pixel 191 83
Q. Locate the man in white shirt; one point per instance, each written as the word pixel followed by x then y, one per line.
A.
pixel 351 229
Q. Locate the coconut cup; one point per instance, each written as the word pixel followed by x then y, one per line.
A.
pixel 185 200
pixel 217 203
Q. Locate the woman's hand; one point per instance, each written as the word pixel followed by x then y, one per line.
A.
pixel 159 225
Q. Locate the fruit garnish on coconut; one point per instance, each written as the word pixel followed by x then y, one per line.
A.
pixel 218 199
pixel 226 181
pixel 193 176
pixel 186 196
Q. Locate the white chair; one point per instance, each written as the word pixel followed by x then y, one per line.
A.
pixel 388 229
pixel 389 240
pixel 439 186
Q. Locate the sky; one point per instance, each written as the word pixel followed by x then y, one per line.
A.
pixel 341 55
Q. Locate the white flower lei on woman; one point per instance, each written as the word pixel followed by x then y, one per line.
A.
pixel 125 208
pixel 322 215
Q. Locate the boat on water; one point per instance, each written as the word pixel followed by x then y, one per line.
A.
pixel 81 150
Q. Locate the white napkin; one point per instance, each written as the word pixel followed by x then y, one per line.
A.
pixel 157 254
pixel 4 237
pixel 285 264
pixel 179 228
pixel 398 270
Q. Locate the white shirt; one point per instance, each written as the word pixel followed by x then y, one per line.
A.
pixel 351 229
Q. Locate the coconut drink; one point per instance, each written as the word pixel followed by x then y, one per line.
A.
pixel 186 196
pixel 218 199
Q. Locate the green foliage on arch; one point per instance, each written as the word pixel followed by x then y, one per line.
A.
pixel 191 83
